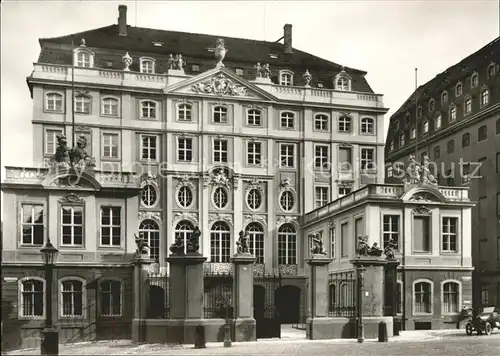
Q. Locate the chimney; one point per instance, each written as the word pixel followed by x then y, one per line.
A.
pixel 122 20
pixel 287 38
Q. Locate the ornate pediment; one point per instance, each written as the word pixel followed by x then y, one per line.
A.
pixel 185 180
pixel 148 178
pixel 254 183
pixel 286 184
pixel 250 218
pixel 422 210
pixel 154 215
pixel 423 197
pixel 193 217
pixel 72 198
pixel 221 85
pixel 285 220
pixel 213 217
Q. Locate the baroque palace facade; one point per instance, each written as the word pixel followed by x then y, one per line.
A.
pixel 455 119
pixel 252 141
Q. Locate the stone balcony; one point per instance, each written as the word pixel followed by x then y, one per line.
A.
pixel 41 176
pixel 128 79
pixel 382 192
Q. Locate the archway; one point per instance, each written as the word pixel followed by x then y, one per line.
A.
pixel 259 302
pixel 287 300
pixel 157 303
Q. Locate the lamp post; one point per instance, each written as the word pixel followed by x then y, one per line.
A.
pixel 50 336
pixel 361 328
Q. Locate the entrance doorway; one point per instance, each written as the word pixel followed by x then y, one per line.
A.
pixel 288 303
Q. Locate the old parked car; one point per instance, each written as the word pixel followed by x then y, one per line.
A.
pixel 483 322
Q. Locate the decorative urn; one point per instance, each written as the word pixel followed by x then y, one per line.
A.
pixel 307 77
pixel 127 60
pixel 220 52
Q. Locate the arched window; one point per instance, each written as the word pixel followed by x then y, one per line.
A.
pixel 450 297
pixel 419 112
pixel 72 297
pixel 147 65
pixel 413 133
pixel 32 297
pixel 437 122
pixel 149 196
pixel 468 105
pixel 465 140
pixel 391 145
pixel 148 109
pixel 83 59
pixel 474 80
pixel 183 231
pixel 150 231
pixel 342 83
pixel 422 297
pixel 185 196
pixel 426 127
pixel 453 113
pixel 256 233
pixel 220 242
pixel 110 106
pixel 407 118
pixel 220 198
pixel 82 104
pixel 286 78
pixel 184 112
pixel 491 70
pixel 344 124
pixel 254 117
pixel 485 96
pixel 287 120
pixel 458 89
pixel 367 125
pixel 220 114
pixel 110 293
pixel 287 245
pixel 321 122
pixel 432 105
pixel 286 200
pixel 402 140
pixel 444 97
pixel 254 199
pixel 53 102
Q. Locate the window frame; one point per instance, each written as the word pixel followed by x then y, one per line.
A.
pixel 154 246
pixel 255 114
pixel 422 252
pixel 458 92
pixel 249 201
pixel 256 156
pixel 459 296
pixel 431 298
pixel 287 155
pixel 178 192
pixel 81 63
pixel 185 150
pixel 117 101
pixel 324 122
pixel 85 99
pixel 483 103
pixel 21 223
pixel 186 110
pixel 223 112
pixel 452 114
pixel 391 233
pixel 344 121
pixel 46 103
pixel 72 225
pixel 444 97
pixel 325 194
pixel 221 151
pixel 332 234
pixel 466 140
pixel 322 162
pixel 472 77
pixel 432 105
pixel 482 133
pixel 438 122
pixel 290 117
pixel 345 85
pixel 154 188
pixel 61 299
pixel 144 61
pixel 373 160
pixel 364 126
pixel 103 146
pixel 154 109
pixel 253 233
pixel 442 235
pixel 56 132
pixel 220 235
pixel 215 199
pixel 286 74
pixel 467 105
pixel 99 298
pixel 287 236
pixel 20 304
pixel 149 148
pixel 292 197
pixel 111 226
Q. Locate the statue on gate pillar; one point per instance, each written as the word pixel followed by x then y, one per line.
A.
pixel 193 243
pixel 242 243
pixel 317 248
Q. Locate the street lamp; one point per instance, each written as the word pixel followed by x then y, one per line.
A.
pixel 50 336
pixel 361 328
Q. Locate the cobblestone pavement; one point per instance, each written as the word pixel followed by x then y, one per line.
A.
pixel 418 344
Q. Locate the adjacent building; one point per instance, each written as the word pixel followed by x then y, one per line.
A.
pixel 455 119
pixel 185 130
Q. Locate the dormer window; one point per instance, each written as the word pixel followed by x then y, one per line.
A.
pixel 458 89
pixel 286 78
pixel 319 84
pixel 474 80
pixel 342 83
pixel 147 65
pixel 432 105
pixel 444 97
pixel 83 58
pixel 239 72
pixel 220 115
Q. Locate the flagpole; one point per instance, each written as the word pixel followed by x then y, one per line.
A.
pixel 73 93
pixel 416 114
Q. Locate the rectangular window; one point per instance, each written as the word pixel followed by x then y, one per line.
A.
pixel 72 298
pixel 111 226
pixel 72 225
pixel 32 224
pixel 82 104
pixel 287 155
pixel 51 141
pixel 484 295
pixel 321 157
pixel 32 298
pixel 359 227
pixel 399 300
pixel 367 159
pixel 449 234
pixel 423 298
pixel 421 234
pixel 185 149
pixel 111 298
pixel 220 151
pixel 450 298
pixel 287 120
pixel 149 147
pixel 321 196
pixel 239 71
pixel 391 230
pixel 321 122
pixel 345 159
pixel 344 240
pixel 465 173
pixel 254 117
pixel 110 145
pixel 344 190
pixel 254 152
pixel 333 241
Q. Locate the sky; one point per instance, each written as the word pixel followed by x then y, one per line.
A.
pixel 388 39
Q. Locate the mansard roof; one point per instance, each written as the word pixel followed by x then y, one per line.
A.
pixel 194 47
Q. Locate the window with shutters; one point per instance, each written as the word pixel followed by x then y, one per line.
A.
pixel 51 141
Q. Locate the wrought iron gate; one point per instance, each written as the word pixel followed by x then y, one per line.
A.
pixel 267 318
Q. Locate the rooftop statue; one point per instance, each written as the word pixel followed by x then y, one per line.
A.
pixel 220 52
pixel 427 177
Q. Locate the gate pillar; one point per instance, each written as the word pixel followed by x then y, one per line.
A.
pixel 244 323
pixel 318 297
pixel 142 264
